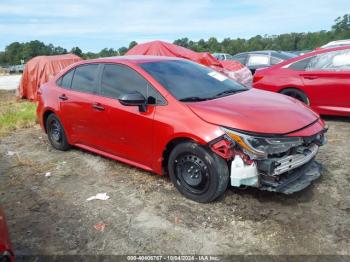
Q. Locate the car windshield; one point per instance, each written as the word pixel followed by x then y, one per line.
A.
pixel 188 81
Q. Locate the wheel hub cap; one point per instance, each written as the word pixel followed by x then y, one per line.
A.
pixel 192 173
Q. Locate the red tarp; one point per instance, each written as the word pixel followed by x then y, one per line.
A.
pixel 39 70
pixel 232 68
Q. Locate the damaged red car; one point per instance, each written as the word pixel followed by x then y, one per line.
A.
pixel 173 116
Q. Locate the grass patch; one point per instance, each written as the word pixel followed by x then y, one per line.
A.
pixel 15 114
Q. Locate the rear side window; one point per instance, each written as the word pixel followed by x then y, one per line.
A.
pixel 66 80
pixel 84 79
pixel 119 79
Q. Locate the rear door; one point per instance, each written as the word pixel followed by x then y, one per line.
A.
pixel 327 79
pixel 76 104
pixel 128 133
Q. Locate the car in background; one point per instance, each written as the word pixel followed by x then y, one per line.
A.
pixel 16 69
pixel 320 79
pixel 6 253
pixel 172 116
pixel 299 52
pixel 260 59
pixel 223 56
pixel 337 43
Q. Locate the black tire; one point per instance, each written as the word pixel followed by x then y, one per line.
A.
pixel 297 94
pixel 56 134
pixel 198 173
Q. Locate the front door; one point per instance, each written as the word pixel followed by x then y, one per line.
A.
pixel 128 132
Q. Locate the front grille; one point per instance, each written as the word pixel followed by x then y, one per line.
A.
pixel 287 163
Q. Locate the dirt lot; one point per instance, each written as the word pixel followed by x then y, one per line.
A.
pixel 146 215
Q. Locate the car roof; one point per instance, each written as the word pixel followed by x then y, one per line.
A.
pixel 343 41
pixel 257 52
pixel 279 54
pixel 134 59
pixel 221 54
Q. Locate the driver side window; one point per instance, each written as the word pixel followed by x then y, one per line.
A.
pixel 118 79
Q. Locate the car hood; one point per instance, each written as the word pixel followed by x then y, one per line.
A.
pixel 256 111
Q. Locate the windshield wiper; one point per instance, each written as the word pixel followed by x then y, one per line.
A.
pixel 228 92
pixel 193 99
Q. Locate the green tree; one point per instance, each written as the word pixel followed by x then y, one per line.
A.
pixel 183 42
pixel 77 51
pixel 90 55
pixel 122 50
pixel 342 23
pixel 132 44
pixel 108 52
pixel 213 45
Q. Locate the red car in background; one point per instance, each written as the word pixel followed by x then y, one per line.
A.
pixel 320 79
pixel 6 253
pixel 173 116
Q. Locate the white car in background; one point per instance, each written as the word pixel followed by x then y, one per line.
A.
pixel 223 56
pixel 337 43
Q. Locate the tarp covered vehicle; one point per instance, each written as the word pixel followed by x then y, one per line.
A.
pixel 231 68
pixel 39 70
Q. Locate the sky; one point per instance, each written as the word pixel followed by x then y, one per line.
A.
pixel 95 24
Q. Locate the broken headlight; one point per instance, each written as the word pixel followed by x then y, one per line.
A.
pixel 258 147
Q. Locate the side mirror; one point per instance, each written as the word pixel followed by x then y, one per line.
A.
pixel 134 99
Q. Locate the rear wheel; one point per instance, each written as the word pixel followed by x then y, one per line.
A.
pixel 198 173
pixel 297 94
pixel 56 134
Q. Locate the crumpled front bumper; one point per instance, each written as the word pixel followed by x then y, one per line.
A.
pixel 294 181
pixel 286 175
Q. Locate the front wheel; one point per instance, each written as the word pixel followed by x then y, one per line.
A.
pixel 198 173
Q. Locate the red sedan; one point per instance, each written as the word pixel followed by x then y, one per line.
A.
pixel 173 116
pixel 320 79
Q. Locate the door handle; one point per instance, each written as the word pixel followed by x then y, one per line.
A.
pixel 98 106
pixel 63 97
pixel 311 77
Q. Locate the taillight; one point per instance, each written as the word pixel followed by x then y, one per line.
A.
pixel 257 78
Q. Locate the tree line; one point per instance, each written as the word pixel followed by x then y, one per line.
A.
pixel 16 52
pixel 283 42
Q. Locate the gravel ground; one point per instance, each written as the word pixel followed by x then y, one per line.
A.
pixel 146 215
pixel 9 82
